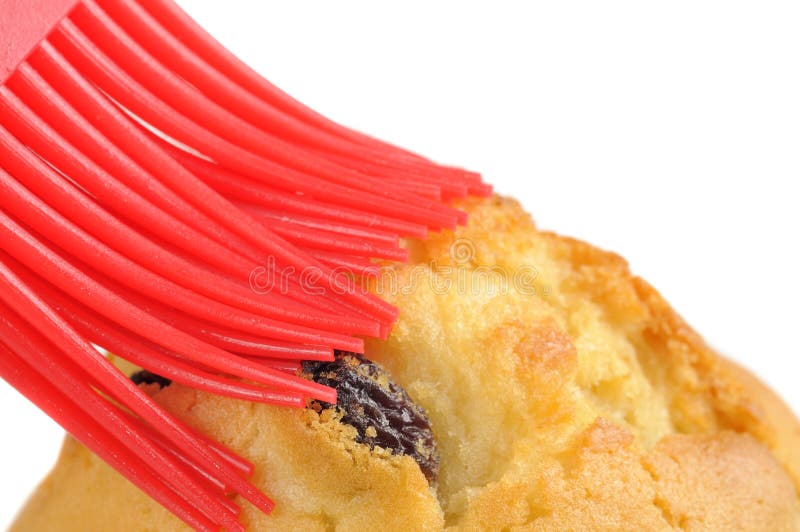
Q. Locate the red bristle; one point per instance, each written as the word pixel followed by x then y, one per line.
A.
pixel 289 366
pixel 445 183
pixel 238 463
pixel 201 476
pixel 74 418
pixel 357 265
pixel 426 175
pixel 448 185
pixel 369 234
pixel 463 175
pixel 70 378
pixel 481 189
pixel 307 239
pixel 327 241
pixel 428 192
pixel 238 187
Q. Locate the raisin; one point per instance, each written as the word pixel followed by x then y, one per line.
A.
pixel 380 410
pixel 148 377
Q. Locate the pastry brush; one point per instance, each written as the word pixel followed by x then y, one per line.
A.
pixel 161 200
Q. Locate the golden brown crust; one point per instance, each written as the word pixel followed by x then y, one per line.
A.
pixel 563 391
pixel 593 379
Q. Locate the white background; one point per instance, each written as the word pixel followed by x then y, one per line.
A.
pixel 666 131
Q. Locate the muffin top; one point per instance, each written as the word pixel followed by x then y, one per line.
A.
pixel 561 392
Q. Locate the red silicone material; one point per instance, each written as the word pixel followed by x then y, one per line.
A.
pixel 23 25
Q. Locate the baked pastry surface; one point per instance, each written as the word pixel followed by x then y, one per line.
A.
pixel 563 392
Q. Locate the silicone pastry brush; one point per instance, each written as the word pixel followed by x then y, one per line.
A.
pixel 161 200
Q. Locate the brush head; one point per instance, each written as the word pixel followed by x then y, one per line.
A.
pixel 160 200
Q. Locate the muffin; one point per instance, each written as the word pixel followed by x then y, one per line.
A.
pixel 531 383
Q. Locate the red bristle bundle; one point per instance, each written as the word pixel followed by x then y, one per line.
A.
pixel 161 200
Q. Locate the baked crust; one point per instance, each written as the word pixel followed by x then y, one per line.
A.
pixel 563 391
